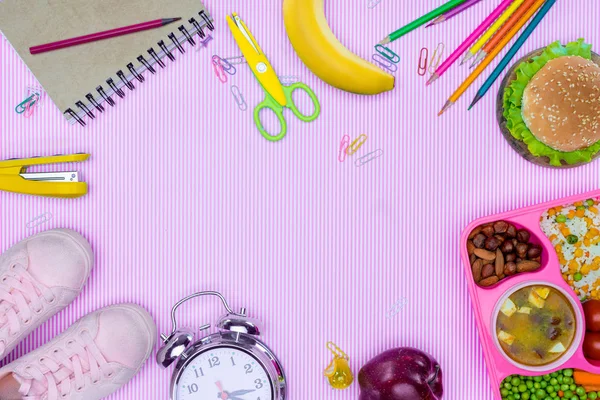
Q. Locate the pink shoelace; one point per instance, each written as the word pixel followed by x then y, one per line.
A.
pixel 20 297
pixel 58 374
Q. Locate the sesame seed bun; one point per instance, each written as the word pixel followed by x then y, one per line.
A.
pixel 518 145
pixel 561 104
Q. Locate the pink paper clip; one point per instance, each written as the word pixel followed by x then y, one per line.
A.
pixel 30 106
pixel 219 70
pixel 343 147
pixel 423 57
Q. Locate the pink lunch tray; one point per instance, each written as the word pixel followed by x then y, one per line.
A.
pixel 485 300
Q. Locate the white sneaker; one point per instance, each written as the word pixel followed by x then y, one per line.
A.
pixel 92 359
pixel 39 277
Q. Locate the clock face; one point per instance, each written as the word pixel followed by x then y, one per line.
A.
pixel 224 373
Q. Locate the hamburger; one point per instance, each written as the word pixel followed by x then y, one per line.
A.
pixel 551 107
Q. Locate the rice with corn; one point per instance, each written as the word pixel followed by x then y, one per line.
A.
pixel 574 231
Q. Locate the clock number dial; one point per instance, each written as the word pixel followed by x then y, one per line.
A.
pixel 224 372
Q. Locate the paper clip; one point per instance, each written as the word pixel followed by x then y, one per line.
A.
pixel 236 60
pixel 396 307
pixel 30 107
pixel 368 157
pixel 21 107
pixel 338 372
pixel 288 79
pixel 387 53
pixel 36 89
pixel 373 3
pixel 226 65
pixel 39 220
pixel 423 57
pixel 239 98
pixel 219 71
pixel 356 144
pixel 435 62
pixel 343 147
pixel 385 63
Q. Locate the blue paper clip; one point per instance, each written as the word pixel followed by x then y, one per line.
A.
pixel 239 98
pixel 368 157
pixel 373 3
pixel 387 53
pixel 385 63
pixel 396 307
pixel 39 220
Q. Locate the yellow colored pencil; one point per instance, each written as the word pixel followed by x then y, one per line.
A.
pixel 492 30
pixel 490 57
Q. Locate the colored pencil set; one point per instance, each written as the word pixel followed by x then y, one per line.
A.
pixel 486 42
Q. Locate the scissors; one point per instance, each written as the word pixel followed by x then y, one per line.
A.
pixel 278 96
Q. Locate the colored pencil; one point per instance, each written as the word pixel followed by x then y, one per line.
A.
pixel 61 44
pixel 512 52
pixel 453 13
pixel 469 41
pixel 490 57
pixel 503 30
pixel 487 35
pixel 421 21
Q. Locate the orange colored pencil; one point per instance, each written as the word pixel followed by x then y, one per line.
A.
pixel 490 57
pixel 512 21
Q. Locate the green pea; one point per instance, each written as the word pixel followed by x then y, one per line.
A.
pixel 580 207
pixel 504 392
pixel 553 381
pixel 572 239
pixel 507 385
pixel 561 218
pixel 560 379
pixel 522 388
pixel 573 387
pixel 550 389
pixel 537 378
pixel 546 377
pixel 577 277
pixel 540 393
pixel 537 385
pixel 515 381
pixel 529 384
pixel 580 391
pixel 568 372
pixel 563 387
pixel 592 395
pixel 568 394
pixel 543 384
pixel 525 396
pixel 589 203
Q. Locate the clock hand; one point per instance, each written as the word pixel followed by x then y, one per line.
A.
pixel 241 392
pixel 222 395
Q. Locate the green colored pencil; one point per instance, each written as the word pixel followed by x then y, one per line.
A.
pixel 422 21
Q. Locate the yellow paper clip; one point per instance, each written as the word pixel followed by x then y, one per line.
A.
pixel 338 372
pixel 436 58
pixel 356 144
pixel 15 178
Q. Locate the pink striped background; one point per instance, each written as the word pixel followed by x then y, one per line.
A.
pixel 185 195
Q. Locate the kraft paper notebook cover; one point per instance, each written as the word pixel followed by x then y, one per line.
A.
pixel 82 80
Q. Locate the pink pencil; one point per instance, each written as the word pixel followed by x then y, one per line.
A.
pixel 470 40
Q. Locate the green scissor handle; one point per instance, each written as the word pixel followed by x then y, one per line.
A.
pixel 270 103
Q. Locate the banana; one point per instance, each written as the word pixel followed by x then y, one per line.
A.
pixel 323 53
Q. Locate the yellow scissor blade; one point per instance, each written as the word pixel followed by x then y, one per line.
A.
pixel 257 61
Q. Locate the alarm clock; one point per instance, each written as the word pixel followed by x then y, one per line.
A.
pixel 232 364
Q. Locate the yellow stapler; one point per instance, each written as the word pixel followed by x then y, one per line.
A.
pixel 14 178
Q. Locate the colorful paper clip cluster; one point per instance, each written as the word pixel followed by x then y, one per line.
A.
pixel 386 58
pixel 348 148
pixel 27 106
pixel 222 67
pixel 338 372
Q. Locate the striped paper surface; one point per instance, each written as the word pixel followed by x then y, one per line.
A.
pixel 185 195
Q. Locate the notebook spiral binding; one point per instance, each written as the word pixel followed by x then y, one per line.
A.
pixel 125 79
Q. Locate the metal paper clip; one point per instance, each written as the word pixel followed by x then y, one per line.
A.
pixel 343 147
pixel 385 63
pixel 387 53
pixel 396 308
pixel 373 3
pixel 356 144
pixel 29 90
pixel 288 79
pixel 21 107
pixel 368 157
pixel 236 60
pixel 219 71
pixel 239 98
pixel 39 220
pixel 338 371
pixel 226 65
pixel 436 58
pixel 423 57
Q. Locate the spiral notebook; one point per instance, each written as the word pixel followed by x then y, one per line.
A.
pixel 83 80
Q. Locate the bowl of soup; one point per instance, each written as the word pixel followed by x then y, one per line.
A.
pixel 537 326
